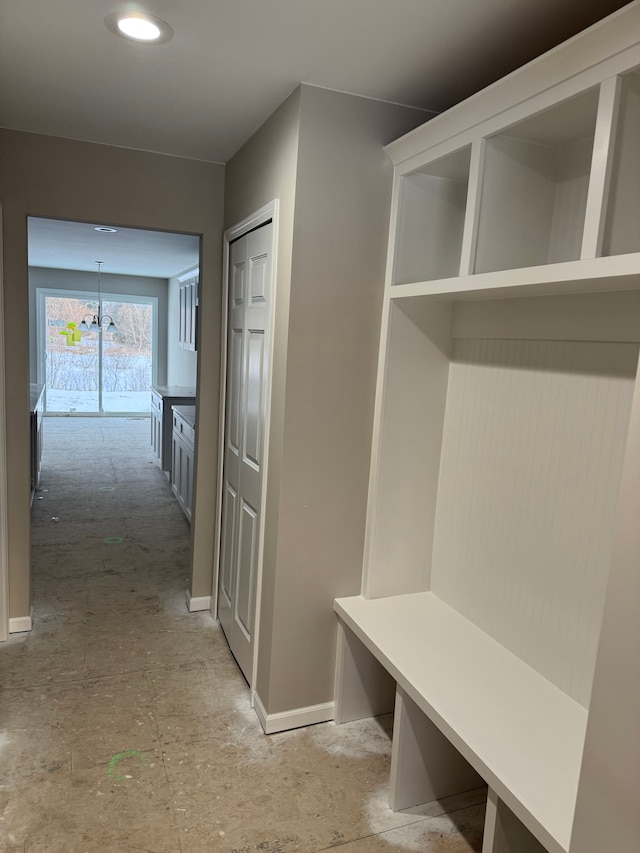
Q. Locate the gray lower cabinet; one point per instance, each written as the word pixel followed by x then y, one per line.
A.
pixel 36 414
pixel 163 398
pixel 182 453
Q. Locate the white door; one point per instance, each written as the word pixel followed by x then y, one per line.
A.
pixel 248 322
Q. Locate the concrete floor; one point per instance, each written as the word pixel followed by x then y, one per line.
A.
pixel 124 721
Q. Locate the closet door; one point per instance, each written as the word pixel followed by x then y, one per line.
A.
pixel 248 320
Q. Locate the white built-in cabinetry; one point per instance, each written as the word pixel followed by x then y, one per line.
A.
pixel 506 383
pixel 188 314
pixel 155 411
pixel 182 456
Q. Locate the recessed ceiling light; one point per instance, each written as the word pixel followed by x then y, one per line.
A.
pixel 105 230
pixel 139 26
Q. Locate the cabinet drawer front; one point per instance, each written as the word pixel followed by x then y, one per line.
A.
pixel 183 429
pixel 156 401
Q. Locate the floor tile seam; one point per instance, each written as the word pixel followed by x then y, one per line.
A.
pixel 205 740
pixel 418 821
pixel 171 784
pixel 179 668
pixel 63 685
pixel 154 718
pixel 73 518
pixel 67 684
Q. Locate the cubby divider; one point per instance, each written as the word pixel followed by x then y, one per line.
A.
pixel 622 230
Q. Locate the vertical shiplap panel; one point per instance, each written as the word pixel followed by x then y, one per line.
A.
pixel 534 438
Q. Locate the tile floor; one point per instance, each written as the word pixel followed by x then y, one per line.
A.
pixel 124 721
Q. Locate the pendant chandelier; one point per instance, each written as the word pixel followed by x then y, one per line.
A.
pixel 98 322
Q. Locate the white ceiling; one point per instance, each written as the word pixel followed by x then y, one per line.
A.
pixel 232 62
pixel 228 67
pixel 131 251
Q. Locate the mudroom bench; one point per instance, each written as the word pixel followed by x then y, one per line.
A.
pixel 467 711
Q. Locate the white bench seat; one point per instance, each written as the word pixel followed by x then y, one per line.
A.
pixel 521 734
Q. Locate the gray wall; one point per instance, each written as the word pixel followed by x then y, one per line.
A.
pixel 111 283
pixel 60 178
pixel 328 308
pixel 343 199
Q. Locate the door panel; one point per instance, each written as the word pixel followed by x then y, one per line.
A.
pixel 258 277
pixel 228 526
pixel 246 567
pixel 236 374
pixel 233 436
pixel 247 352
pixel 254 403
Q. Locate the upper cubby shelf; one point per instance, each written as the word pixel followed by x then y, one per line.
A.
pixel 549 198
pixel 534 188
pixel 431 217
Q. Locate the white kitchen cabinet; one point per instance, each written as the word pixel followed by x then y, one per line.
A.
pixel 155 410
pixel 188 314
pixel 498 515
pixel 183 448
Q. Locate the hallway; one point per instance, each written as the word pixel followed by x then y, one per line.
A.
pixel 124 721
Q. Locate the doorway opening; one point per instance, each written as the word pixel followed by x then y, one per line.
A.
pixel 102 380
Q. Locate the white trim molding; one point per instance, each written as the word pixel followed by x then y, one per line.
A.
pixel 295 719
pixel 19 624
pixel 4 553
pixel 192 273
pixel 197 603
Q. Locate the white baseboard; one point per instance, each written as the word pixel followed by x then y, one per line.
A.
pixel 203 602
pixel 21 623
pixel 282 722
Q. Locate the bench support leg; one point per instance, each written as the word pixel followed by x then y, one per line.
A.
pixel 504 833
pixel 425 766
pixel 363 686
pixel 490 823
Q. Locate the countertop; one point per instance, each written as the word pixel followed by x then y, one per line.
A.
pixel 35 392
pixel 187 413
pixel 174 391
